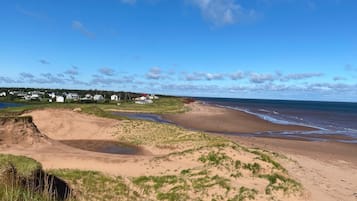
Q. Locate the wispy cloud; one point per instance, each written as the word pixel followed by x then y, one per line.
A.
pixel 8 80
pixel 223 12
pixel 338 78
pixel 108 81
pixel 128 1
pixel 72 71
pixel 44 61
pixel 32 14
pixel 78 26
pixel 107 71
pixel 300 76
pixel 26 75
pixel 259 78
pixel 237 75
pixel 203 76
pixel 155 73
pixel 350 67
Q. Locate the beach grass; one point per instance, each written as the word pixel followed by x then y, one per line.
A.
pixel 93 186
pixel 24 166
pixel 17 180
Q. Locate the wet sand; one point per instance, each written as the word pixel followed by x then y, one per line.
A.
pixel 215 119
pixel 103 146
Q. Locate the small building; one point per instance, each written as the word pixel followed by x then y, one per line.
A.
pixel 32 97
pixel 153 97
pixel 72 97
pixel 141 98
pixel 52 95
pixel 59 99
pixel 114 98
pixel 98 98
pixel 87 98
pixel 2 94
pixel 35 97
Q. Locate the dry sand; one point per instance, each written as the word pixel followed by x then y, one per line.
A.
pixel 327 169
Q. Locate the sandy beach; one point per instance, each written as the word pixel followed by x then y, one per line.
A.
pixel 326 170
pixel 215 119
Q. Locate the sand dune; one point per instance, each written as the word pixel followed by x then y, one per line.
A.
pixel 323 179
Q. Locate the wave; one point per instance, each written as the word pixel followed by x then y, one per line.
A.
pixel 272 119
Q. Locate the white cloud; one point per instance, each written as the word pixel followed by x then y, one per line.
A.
pixel 237 75
pixel 223 12
pixel 72 71
pixel 300 76
pixel 44 61
pixel 203 76
pixel 77 25
pixel 128 1
pixel 107 71
pixel 155 73
pixel 259 78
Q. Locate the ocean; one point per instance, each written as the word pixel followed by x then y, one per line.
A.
pixel 329 117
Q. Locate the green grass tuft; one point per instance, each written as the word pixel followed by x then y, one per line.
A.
pixel 25 166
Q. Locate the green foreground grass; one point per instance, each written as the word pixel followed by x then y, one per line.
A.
pixel 13 168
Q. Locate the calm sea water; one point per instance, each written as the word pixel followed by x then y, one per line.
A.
pixel 329 117
pixel 5 105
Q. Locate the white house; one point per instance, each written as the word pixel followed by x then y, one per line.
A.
pixel 32 97
pixel 98 97
pixel 114 97
pixel 72 96
pixel 52 95
pixel 59 99
pixel 153 97
pixel 3 93
pixel 141 98
pixel 87 98
pixel 35 97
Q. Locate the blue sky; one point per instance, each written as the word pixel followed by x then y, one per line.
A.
pixel 280 49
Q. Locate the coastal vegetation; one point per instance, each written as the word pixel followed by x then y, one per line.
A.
pixel 162 105
pixel 22 179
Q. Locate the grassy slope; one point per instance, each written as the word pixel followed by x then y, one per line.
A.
pixel 25 167
pixel 163 105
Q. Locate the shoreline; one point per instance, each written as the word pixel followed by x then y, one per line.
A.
pixel 231 122
pixel 210 118
pixel 210 115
